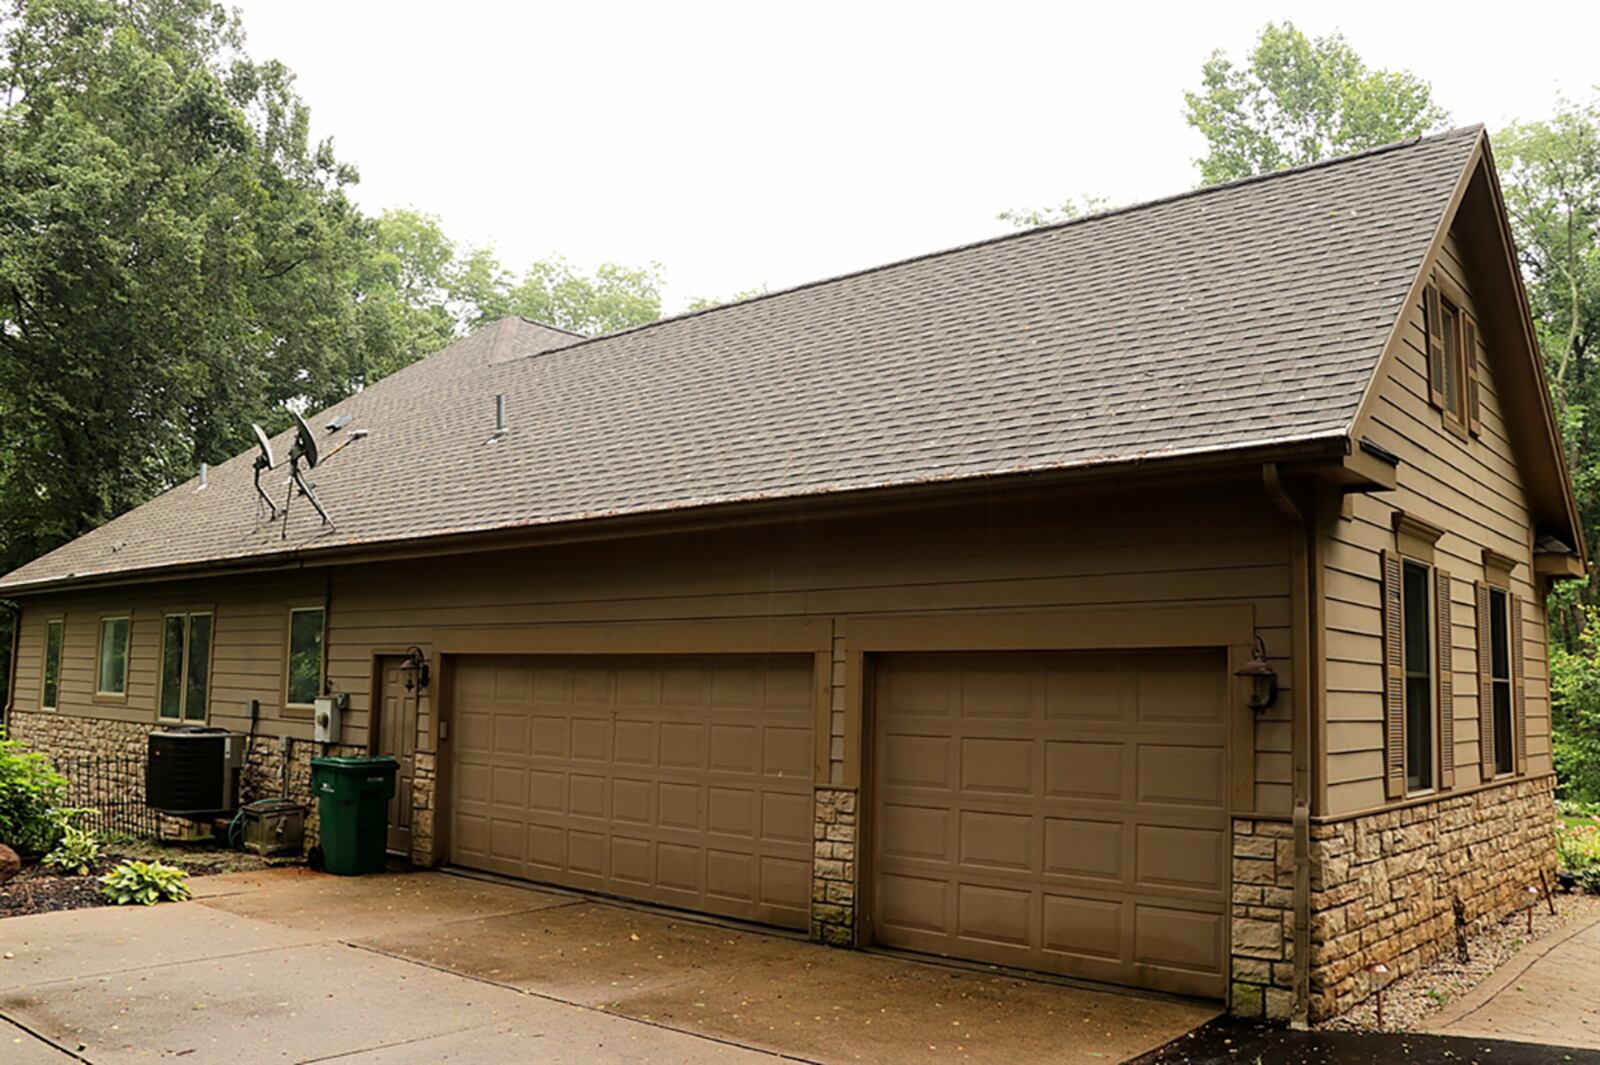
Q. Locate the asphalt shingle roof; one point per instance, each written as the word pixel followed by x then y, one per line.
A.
pixel 1242 315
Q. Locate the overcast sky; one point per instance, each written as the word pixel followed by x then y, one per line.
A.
pixel 755 143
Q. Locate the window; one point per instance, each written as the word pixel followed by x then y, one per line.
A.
pixel 50 697
pixel 1417 643
pixel 111 672
pixel 1452 356
pixel 185 667
pixel 305 656
pixel 1453 370
pixel 1500 679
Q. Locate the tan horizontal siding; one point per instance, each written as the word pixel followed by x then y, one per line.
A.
pixel 1471 489
pixel 1183 545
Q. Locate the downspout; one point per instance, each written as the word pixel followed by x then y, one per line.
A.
pixel 1301 596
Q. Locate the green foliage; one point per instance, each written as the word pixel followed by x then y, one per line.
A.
pixel 146 883
pixel 78 850
pixel 705 303
pixel 1550 171
pixel 30 793
pixel 553 291
pixel 1578 851
pixel 178 259
pixel 1575 712
pixel 1073 207
pixel 1300 99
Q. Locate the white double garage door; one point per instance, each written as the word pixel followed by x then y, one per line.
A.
pixel 1062 812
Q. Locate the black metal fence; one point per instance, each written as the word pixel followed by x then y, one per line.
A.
pixel 111 789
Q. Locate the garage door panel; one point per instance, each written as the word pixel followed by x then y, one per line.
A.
pixel 731 811
pixel 683 780
pixel 683 745
pixel 1066 812
pixel 914 832
pixel 1085 769
pixel 915 761
pixel 990 764
pixel 1178 939
pixel 1187 776
pixel 1082 927
pixel 1187 858
pixel 986 913
pixel 1085 848
pixel 786 817
pixel 996 840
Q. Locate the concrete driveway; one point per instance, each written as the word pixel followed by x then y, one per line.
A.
pixel 424 967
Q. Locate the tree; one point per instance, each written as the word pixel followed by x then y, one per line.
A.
pixel 1550 173
pixel 1068 209
pixel 705 303
pixel 553 291
pixel 1300 100
pixel 176 258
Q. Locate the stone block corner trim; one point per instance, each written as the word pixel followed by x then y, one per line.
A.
pixel 833 867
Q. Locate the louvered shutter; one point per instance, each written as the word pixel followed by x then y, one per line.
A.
pixel 1443 632
pixel 1433 325
pixel 1485 682
pixel 1519 689
pixel 1394 681
pixel 1469 333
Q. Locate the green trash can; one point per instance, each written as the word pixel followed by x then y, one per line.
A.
pixel 353 805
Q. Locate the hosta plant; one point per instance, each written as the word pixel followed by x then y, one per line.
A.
pixel 146 883
pixel 78 850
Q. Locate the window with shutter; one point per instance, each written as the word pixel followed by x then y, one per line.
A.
pixel 1446 661
pixel 1487 753
pixel 1411 691
pixel 1519 688
pixel 1433 325
pixel 1469 344
pixel 1394 703
pixel 1452 339
pixel 1416 606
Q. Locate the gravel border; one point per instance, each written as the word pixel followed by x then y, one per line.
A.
pixel 1411 999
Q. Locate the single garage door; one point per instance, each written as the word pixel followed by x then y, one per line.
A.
pixel 677 780
pixel 1057 812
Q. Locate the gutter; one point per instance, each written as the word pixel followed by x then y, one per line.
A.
pixel 1302 595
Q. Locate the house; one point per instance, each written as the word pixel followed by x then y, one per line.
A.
pixel 1156 598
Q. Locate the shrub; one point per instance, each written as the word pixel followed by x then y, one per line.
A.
pixel 30 792
pixel 146 883
pixel 78 850
pixel 1578 850
pixel 1575 703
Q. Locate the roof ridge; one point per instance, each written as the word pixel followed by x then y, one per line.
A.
pixel 1112 212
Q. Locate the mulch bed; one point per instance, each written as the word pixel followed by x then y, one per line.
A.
pixel 1228 1042
pixel 40 889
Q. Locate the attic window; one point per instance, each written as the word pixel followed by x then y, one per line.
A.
pixel 1452 356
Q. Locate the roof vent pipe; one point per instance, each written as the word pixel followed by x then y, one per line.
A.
pixel 499 415
pixel 204 470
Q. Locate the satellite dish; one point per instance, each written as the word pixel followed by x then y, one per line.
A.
pixel 265 459
pixel 305 444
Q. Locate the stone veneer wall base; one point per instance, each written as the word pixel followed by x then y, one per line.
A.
pixel 68 736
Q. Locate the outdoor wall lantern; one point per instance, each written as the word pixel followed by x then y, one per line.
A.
pixel 415 667
pixel 1263 680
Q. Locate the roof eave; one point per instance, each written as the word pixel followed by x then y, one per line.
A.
pixel 1320 452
